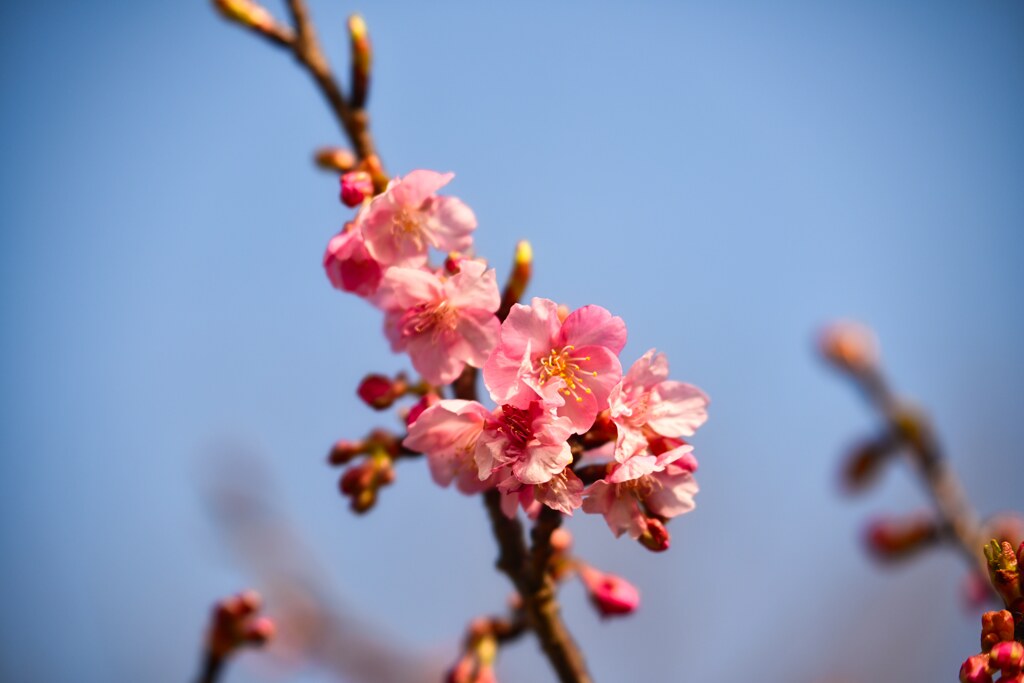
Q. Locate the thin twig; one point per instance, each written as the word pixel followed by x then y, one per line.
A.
pixel 956 514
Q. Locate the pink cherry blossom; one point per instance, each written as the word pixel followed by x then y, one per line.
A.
pixel 532 443
pixel 647 404
pixel 563 492
pixel 349 265
pixel 447 433
pixel 666 493
pixel 443 324
pixel 572 365
pixel 402 223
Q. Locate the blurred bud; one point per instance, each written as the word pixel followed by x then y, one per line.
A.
pixel 561 540
pixel 864 462
pixel 975 670
pixel 362 58
pixel 356 187
pixel 234 623
pixel 995 627
pixel 563 312
pixel 375 168
pixel 380 392
pixel 335 159
pixel 518 279
pixel 453 262
pixel 245 12
pixel 344 451
pixel 610 594
pixel 850 346
pixel 421 405
pixel 1007 656
pixel 892 538
pixel 362 482
pixel 655 537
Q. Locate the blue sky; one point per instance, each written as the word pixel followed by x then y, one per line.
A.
pixel 725 176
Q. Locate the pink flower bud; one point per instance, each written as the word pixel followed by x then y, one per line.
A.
pixel 975 670
pixel 377 391
pixel 655 537
pixel 356 186
pixel 561 540
pixel 610 594
pixel 261 631
pixel 421 405
pixel 849 346
pixel 453 262
pixel 1007 656
pixel 335 159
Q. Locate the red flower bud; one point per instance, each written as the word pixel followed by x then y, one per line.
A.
pixel 378 391
pixel 1007 656
pixel 344 451
pixel 356 186
pixel 975 670
pixel 995 627
pixel 897 539
pixel 655 537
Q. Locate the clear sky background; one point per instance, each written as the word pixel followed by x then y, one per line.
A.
pixel 726 176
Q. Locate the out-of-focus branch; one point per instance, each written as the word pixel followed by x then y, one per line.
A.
pixel 313 622
pixel 302 42
pixel 852 349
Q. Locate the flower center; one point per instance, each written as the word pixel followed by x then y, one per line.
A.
pixel 515 425
pixel 437 318
pixel 641 487
pixel 407 225
pixel 561 363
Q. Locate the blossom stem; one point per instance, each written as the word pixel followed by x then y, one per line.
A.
pixel 302 42
pixel 537 589
pixel 213 666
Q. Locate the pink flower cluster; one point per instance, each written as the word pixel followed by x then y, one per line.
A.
pixel 562 402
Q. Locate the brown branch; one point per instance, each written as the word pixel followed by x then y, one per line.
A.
pixel 536 588
pixel 302 42
pixel 954 510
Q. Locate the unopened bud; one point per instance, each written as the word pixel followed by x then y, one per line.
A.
pixel 561 540
pixel 261 631
pixel 897 539
pixel 453 262
pixel 379 391
pixel 245 12
pixel 1007 656
pixel 362 58
pixel 850 346
pixel 362 482
pixel 1004 570
pixel 865 461
pixel 344 451
pixel 655 536
pixel 610 594
pixel 518 279
pixel 995 627
pixel 356 187
pixel 975 670
pixel 335 159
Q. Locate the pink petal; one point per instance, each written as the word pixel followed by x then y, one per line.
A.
pixel 416 186
pixel 477 332
pixel 540 463
pixel 473 287
pixel 633 468
pixel 677 409
pixel 593 326
pixel 432 359
pixel 648 371
pixel 563 492
pixel 383 243
pixel 449 223
pixel 675 495
pixel 409 287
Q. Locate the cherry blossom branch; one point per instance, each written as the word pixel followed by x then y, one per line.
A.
pixel 302 42
pixel 852 349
